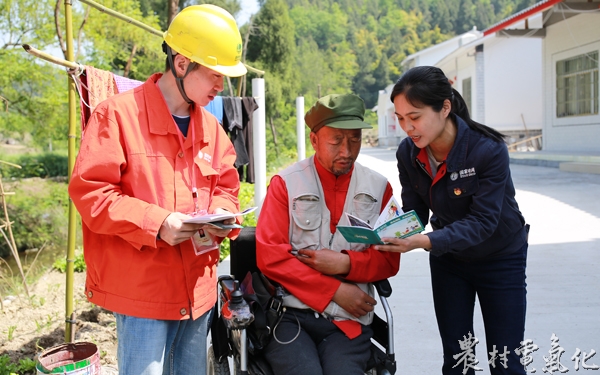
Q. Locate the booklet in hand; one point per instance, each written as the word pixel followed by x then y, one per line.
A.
pixel 392 222
pixel 217 219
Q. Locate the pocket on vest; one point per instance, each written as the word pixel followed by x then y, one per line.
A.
pixel 306 214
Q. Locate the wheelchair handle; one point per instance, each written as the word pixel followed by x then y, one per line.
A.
pixel 383 287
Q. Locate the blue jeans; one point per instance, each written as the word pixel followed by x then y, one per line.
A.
pixel 500 286
pixel 162 347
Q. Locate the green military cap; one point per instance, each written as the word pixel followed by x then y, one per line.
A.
pixel 340 111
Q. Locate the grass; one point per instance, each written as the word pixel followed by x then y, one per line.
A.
pixel 11 332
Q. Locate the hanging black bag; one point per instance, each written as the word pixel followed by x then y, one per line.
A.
pixel 266 303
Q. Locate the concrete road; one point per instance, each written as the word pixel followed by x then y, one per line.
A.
pixel 562 273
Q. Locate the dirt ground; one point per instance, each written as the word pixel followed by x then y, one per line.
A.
pixel 30 325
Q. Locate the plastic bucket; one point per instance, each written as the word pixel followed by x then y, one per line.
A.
pixel 80 358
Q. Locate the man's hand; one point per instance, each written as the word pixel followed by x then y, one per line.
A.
pixel 174 231
pixel 352 299
pixel 216 231
pixel 326 261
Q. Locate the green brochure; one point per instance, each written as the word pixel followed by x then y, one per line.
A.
pixel 391 223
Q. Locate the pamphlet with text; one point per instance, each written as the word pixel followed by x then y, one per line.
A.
pixel 217 219
pixel 392 222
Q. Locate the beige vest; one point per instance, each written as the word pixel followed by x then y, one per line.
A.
pixel 310 217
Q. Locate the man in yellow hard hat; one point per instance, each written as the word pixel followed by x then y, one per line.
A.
pixel 151 158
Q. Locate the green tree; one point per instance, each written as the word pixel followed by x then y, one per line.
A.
pixel 373 71
pixel 272 49
pixel 467 20
pixel 35 92
pixel 118 46
pixel 440 15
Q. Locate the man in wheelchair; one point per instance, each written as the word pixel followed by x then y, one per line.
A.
pixel 328 293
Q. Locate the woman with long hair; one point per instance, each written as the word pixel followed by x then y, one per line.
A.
pixel 459 170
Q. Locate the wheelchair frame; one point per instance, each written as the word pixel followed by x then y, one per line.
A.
pixel 242 261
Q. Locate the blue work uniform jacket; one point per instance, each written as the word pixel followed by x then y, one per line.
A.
pixel 472 197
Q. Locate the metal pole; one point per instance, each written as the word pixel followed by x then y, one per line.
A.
pixel 259 141
pixel 301 144
pixel 72 152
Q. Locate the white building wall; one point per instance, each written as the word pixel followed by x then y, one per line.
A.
pixel 513 83
pixel 432 55
pixel 389 133
pixel 459 69
pixel 574 36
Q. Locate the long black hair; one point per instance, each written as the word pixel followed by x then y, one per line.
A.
pixel 429 86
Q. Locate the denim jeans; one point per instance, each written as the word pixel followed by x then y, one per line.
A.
pixel 320 348
pixel 162 347
pixel 499 284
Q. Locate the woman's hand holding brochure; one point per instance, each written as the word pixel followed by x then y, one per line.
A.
pixel 392 222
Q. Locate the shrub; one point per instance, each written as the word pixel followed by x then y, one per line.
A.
pixel 7 367
pixel 246 198
pixel 47 164
pixel 39 213
pixel 60 264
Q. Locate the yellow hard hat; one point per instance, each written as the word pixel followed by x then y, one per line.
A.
pixel 208 35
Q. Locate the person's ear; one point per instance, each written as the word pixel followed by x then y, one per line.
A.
pixel 313 140
pixel 181 63
pixel 446 107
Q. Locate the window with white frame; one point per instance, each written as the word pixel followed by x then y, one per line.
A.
pixel 466 93
pixel 577 85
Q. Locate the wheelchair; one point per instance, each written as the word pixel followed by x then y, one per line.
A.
pixel 238 348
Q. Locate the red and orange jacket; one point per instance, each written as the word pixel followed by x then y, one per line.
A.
pixel 272 244
pixel 130 174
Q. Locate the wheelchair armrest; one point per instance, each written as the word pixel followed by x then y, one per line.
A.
pixel 384 289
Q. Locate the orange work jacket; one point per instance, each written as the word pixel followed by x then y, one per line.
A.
pixel 130 174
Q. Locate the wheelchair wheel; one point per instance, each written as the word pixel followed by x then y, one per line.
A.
pixel 215 367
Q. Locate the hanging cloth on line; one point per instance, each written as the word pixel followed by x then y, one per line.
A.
pixel 232 122
pixel 97 85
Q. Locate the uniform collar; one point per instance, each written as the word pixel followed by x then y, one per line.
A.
pixel 156 108
pixel 458 154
